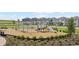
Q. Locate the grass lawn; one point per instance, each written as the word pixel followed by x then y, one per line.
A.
pixel 7 23
pixel 62 29
pixel 77 30
pixel 65 29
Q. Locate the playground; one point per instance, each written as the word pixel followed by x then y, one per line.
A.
pixel 32 33
pixel 41 29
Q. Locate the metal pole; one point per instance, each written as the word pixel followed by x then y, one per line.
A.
pixel 23 25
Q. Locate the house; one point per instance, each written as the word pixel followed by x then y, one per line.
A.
pixel 53 20
pixel 63 20
pixel 40 22
pixel 76 20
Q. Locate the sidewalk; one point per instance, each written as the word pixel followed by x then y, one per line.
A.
pixel 2 41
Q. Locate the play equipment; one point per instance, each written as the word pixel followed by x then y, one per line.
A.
pixel 2 33
pixel 50 29
pixel 41 26
pixel 46 29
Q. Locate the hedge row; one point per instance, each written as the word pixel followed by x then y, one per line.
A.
pixel 41 38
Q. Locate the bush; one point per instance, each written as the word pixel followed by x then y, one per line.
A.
pixel 34 38
pixel 60 30
pixel 51 37
pixel 65 31
pixel 40 38
pixel 18 37
pixel 48 38
pixel 56 37
pixel 60 36
pixel 22 37
pixel 28 38
pixel 15 36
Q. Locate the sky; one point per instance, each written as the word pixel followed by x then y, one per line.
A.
pixel 20 15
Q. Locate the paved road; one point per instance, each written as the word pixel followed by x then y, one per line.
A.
pixel 2 41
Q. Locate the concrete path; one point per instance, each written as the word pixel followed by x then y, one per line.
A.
pixel 2 41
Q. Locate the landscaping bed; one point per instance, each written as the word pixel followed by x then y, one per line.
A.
pixel 49 41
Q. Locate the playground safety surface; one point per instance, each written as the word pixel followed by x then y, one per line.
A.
pixel 32 33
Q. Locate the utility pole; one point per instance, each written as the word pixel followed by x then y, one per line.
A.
pixel 17 24
pixel 23 26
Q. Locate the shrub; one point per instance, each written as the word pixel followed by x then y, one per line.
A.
pixel 76 43
pixel 48 38
pixel 28 38
pixel 60 43
pixel 15 36
pixel 41 38
pixel 18 37
pixel 65 31
pixel 56 37
pixel 51 37
pixel 34 38
pixel 22 37
pixel 62 36
pixel 60 30
pixel 59 37
pixel 38 40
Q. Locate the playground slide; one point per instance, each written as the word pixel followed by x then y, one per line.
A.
pixel 50 29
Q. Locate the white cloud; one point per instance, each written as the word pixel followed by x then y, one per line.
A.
pixel 39 16
pixel 8 17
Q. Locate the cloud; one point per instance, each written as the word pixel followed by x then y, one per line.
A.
pixel 39 14
pixel 8 17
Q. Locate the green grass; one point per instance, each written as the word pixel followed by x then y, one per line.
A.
pixel 77 30
pixel 65 29
pixel 7 23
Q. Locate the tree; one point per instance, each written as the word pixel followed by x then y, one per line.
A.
pixel 60 23
pixel 17 24
pixel 51 22
pixel 71 26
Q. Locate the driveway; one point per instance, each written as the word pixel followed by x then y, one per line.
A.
pixel 2 41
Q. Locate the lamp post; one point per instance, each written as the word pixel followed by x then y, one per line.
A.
pixel 17 24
